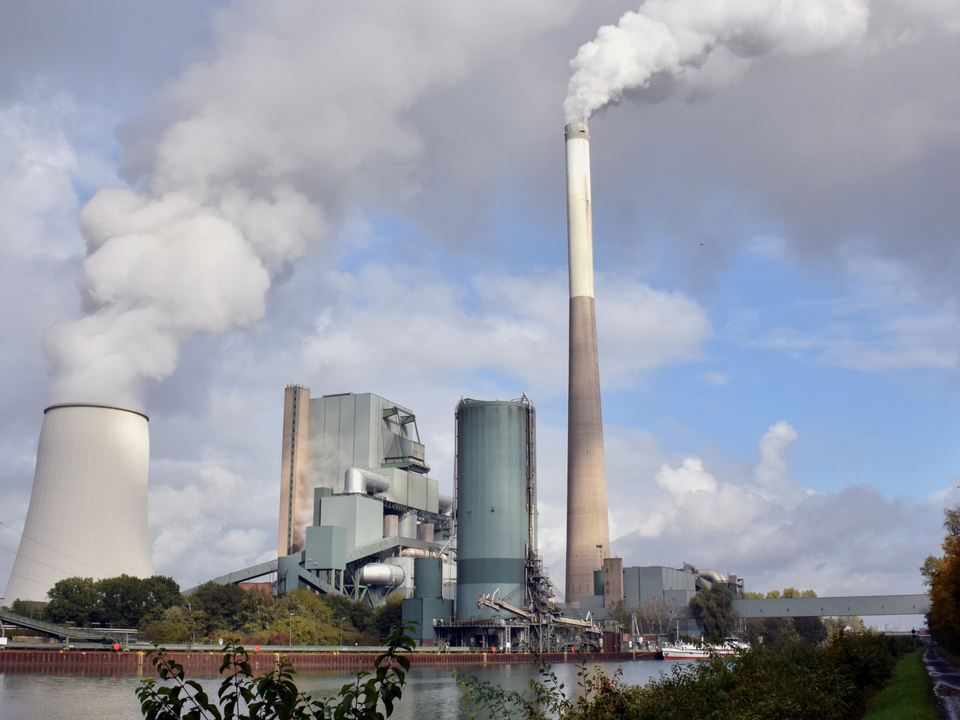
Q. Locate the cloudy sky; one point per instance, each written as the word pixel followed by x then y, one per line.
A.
pixel 203 202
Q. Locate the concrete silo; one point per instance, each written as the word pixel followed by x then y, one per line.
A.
pixel 88 508
pixel 495 484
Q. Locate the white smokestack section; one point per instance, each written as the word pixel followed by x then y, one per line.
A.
pixel 588 534
pixel 88 508
pixel 579 217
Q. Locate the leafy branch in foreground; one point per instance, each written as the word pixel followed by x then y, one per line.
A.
pixel 274 695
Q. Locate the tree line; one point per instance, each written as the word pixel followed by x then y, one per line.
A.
pixel 156 607
pixel 942 576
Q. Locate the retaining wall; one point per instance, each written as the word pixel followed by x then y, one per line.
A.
pixel 108 663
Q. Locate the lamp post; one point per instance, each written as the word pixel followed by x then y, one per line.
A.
pixel 341 631
pixel 290 636
pixel 193 628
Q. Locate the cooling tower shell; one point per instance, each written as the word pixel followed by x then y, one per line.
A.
pixel 88 508
pixel 492 528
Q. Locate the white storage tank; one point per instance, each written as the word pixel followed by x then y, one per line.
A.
pixel 88 508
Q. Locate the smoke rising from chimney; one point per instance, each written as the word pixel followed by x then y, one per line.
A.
pixel 297 116
pixel 704 43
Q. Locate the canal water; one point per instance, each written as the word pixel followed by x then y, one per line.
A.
pixel 429 692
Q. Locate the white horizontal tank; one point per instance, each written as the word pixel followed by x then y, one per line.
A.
pixel 88 509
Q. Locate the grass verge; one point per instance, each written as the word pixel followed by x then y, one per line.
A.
pixel 909 696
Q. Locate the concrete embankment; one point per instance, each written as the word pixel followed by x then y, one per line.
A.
pixel 207 664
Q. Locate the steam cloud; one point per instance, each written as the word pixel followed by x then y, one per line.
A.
pixel 705 43
pixel 247 158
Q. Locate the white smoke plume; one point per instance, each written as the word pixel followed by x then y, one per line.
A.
pixel 703 43
pixel 298 114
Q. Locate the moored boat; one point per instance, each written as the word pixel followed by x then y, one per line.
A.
pixel 698 651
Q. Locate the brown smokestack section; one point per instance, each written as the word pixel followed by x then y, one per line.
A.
pixel 588 535
pixel 295 498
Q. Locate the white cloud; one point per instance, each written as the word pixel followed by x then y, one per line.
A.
pixel 209 520
pixel 405 321
pixel 38 206
pixel 765 528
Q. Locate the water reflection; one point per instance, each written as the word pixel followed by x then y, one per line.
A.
pixel 429 693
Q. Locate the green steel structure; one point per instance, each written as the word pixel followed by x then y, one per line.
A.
pixel 495 465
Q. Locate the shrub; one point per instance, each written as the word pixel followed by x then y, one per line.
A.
pixel 274 696
pixel 792 680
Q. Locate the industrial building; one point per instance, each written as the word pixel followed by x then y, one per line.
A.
pixel 88 507
pixel 637 586
pixel 360 516
pixel 357 507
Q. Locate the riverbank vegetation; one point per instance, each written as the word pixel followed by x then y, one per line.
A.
pixel 162 614
pixel 796 679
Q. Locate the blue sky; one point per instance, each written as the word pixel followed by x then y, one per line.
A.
pixel 375 196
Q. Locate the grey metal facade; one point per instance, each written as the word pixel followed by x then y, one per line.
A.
pixel 491 463
pixel 834 606
pixel 642 583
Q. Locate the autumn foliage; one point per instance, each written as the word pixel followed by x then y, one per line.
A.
pixel 943 576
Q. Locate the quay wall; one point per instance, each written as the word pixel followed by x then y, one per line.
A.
pixel 207 664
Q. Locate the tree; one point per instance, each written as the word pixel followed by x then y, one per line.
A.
pixel 27 608
pixel 811 629
pixel 73 600
pixel 173 625
pixel 712 608
pixel 942 575
pixel 126 600
pixel 620 613
pixel 841 622
pixel 657 614
pixel 389 615
pixel 219 604
pixel 771 631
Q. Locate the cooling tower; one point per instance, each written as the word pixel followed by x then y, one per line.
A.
pixel 495 457
pixel 88 508
pixel 588 536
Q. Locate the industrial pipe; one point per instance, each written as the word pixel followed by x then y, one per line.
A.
pixel 382 574
pixel 359 482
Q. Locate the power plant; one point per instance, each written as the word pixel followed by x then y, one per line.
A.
pixel 360 515
pixel 88 508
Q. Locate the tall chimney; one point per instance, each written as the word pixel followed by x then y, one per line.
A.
pixel 588 536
